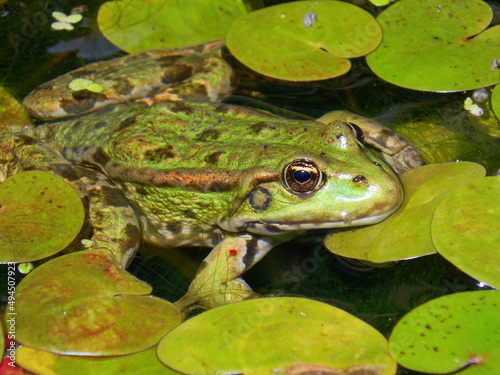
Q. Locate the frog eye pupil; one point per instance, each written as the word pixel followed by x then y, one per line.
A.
pixel 302 176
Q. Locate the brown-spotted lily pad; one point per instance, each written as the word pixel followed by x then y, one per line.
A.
pixel 85 304
pixel 437 45
pixel 459 331
pixel 138 25
pixel 407 233
pixel 276 335
pixel 466 228
pixel 142 363
pixel 303 40
pixel 40 214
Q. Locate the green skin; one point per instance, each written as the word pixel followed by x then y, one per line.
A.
pixel 185 173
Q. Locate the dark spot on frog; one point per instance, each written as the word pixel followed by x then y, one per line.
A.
pixel 270 228
pixel 179 108
pixel 82 104
pixel 176 73
pixel 127 122
pixel 257 127
pixel 133 235
pixel 360 179
pixel 100 124
pixel 219 186
pixel 174 227
pixel 99 156
pixel 214 157
pixel 188 214
pixel 160 154
pixel 82 73
pixel 141 191
pixel 249 258
pixel 208 134
pixel 65 171
pixel 113 197
pixel 259 199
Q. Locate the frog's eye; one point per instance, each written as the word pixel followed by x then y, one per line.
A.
pixel 357 132
pixel 302 176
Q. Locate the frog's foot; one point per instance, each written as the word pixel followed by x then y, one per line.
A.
pixel 216 282
pixel 396 150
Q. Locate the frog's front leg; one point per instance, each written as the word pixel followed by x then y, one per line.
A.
pixel 217 280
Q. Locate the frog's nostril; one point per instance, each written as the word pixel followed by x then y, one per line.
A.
pixel 359 179
pixel 377 163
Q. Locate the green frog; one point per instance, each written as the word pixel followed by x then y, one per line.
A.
pixel 157 156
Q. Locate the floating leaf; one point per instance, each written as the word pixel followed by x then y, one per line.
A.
pixel 40 214
pixel 288 332
pixel 41 362
pixel 495 101
pixel 407 233
pixel 61 17
pixel 278 42
pixel 466 229
pixel 442 46
pixel 459 331
pixel 84 303
pixel 85 84
pixel 136 25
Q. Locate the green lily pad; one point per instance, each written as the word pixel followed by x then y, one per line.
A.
pixel 263 336
pixel 85 304
pixel 11 111
pixel 495 101
pixel 136 25
pixel 437 45
pixel 41 362
pixel 40 214
pixel 407 233
pixel 458 331
pixel 303 40
pixel 466 229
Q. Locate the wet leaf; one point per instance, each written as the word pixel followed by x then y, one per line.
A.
pixel 288 332
pixel 281 41
pixel 449 333
pixel 466 229
pixel 495 101
pixel 84 303
pixel 142 363
pixel 407 233
pixel 40 214
pixel 136 25
pixel 445 45
pixel 11 111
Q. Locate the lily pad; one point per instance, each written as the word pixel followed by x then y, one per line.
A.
pixel 458 331
pixel 303 40
pixel 466 229
pixel 40 214
pixel 407 233
pixel 437 45
pixel 136 25
pixel 495 101
pixel 290 334
pixel 41 362
pixel 11 111
pixel 85 304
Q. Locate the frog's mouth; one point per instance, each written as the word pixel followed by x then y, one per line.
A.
pixel 276 228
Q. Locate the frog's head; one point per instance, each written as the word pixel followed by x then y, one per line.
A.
pixel 342 185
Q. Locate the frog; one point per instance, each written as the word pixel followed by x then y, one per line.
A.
pixel 159 157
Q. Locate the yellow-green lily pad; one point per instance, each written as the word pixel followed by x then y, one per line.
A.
pixel 407 233
pixel 458 331
pixel 466 228
pixel 11 111
pixel 275 335
pixel 41 362
pixel 437 45
pixel 40 214
pixel 85 304
pixel 303 40
pixel 495 101
pixel 138 25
